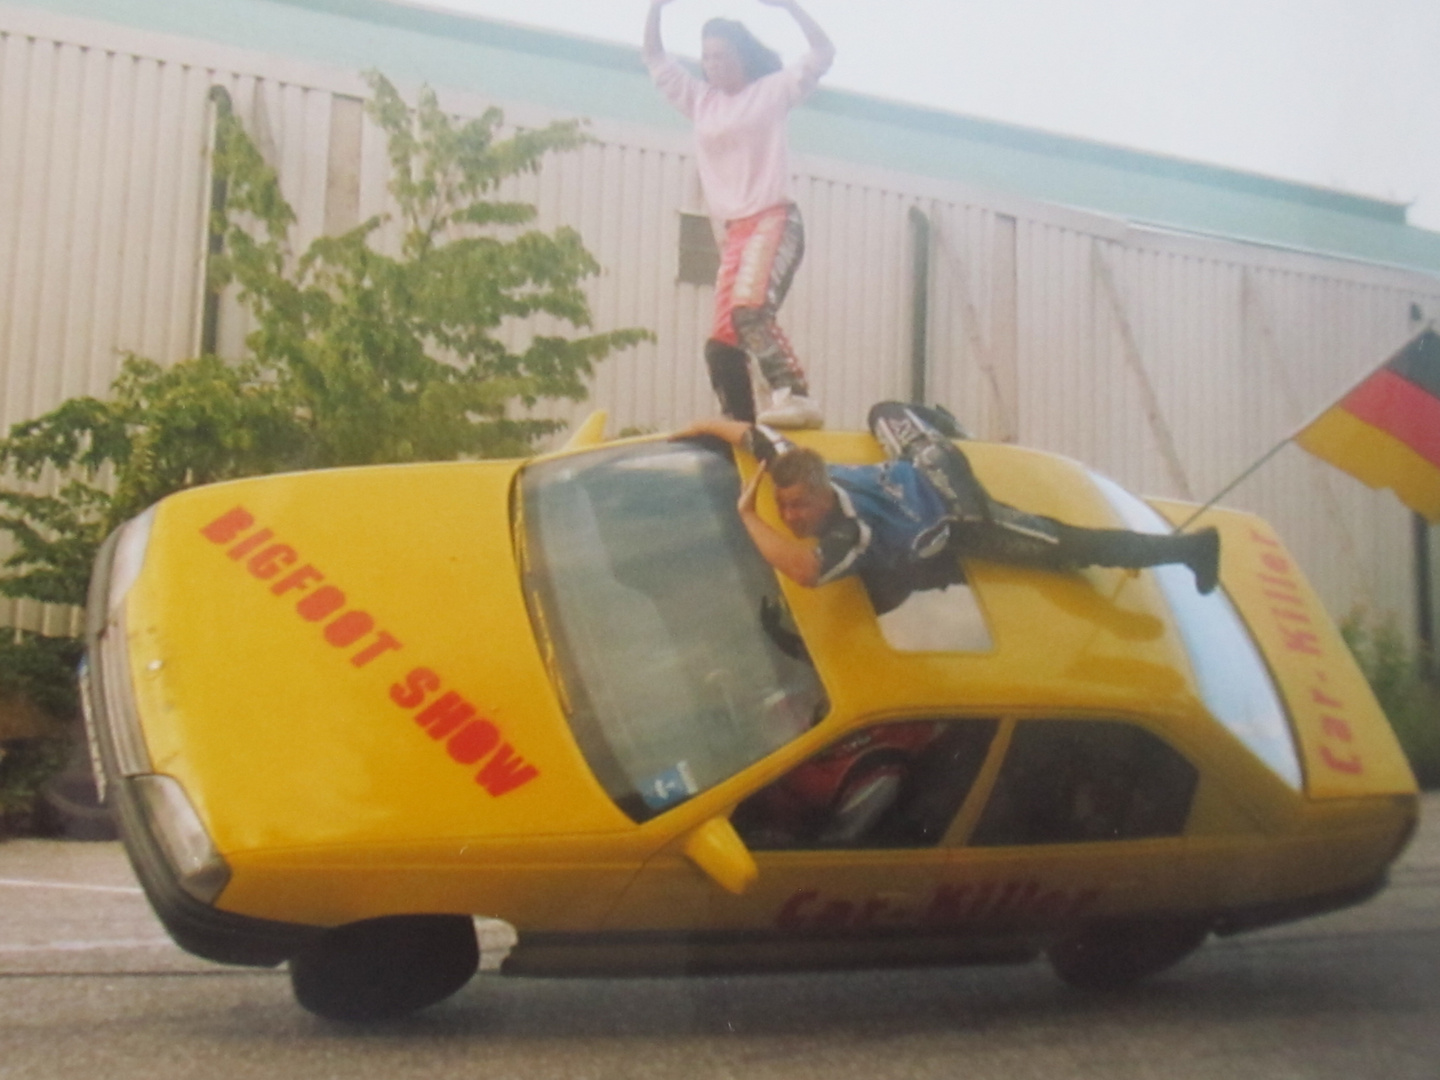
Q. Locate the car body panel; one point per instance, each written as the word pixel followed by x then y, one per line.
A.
pixel 343 605
pixel 330 664
pixel 940 890
pixel 1345 743
pixel 1103 646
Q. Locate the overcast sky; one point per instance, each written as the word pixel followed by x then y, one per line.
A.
pixel 1341 93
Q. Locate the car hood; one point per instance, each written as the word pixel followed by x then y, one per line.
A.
pixel 346 656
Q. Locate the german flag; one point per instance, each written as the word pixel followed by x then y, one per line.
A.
pixel 1386 432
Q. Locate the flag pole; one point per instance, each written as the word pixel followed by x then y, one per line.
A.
pixel 1251 469
pixel 1233 484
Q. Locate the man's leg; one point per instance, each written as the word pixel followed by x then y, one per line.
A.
pixel 906 434
pixel 985 529
pixel 1032 540
pixel 1200 550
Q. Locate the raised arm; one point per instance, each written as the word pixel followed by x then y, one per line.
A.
pixel 758 441
pixel 654 47
pixel 719 427
pixel 820 44
pixel 795 558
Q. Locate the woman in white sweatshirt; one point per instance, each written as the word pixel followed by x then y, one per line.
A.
pixel 739 113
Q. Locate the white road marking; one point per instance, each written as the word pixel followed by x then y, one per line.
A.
pixel 90 946
pixel 24 883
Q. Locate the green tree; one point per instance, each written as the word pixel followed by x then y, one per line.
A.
pixel 358 356
pixel 361 353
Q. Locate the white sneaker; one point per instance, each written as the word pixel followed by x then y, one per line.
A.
pixel 791 410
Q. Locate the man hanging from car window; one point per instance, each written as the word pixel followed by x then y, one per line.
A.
pixel 904 525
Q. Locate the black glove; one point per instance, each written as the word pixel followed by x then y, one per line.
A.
pixel 764 444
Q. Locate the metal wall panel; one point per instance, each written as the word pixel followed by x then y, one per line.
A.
pixel 1173 363
pixel 1168 362
pixel 100 175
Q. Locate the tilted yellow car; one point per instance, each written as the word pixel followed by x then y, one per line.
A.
pixel 339 714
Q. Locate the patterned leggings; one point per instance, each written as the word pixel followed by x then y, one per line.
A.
pixel 757 265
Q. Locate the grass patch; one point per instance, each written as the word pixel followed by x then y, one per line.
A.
pixel 1404 681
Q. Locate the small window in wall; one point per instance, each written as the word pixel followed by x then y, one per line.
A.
pixel 1079 781
pixel 699 256
pixel 889 786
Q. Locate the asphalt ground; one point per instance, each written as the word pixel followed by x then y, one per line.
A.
pixel 90 986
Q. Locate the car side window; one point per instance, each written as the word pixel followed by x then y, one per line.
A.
pixel 1078 781
pixel 889 786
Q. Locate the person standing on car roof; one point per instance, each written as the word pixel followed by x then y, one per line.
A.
pixel 739 113
pixel 903 526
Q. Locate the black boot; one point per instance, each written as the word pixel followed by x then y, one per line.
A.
pixel 730 379
pixel 1204 558
pixel 1200 551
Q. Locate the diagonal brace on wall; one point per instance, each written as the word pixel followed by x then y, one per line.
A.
pixel 1257 313
pixel 982 352
pixel 1159 426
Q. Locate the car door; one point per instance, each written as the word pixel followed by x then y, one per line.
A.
pixel 1085 818
pixel 850 842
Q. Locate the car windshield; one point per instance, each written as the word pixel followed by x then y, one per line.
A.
pixel 1232 676
pixel 668 636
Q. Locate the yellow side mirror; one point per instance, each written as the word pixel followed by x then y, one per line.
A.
pixel 716 848
pixel 589 433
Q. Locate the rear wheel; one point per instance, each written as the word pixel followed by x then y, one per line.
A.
pixel 1112 956
pixel 384 968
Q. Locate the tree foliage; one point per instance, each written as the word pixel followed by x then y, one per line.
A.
pixel 387 343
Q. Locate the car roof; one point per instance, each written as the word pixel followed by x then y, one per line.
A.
pixel 1089 642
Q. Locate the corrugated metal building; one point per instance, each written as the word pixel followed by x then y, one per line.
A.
pixel 1165 322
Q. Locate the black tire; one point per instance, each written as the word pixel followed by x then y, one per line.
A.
pixel 69 803
pixel 385 968
pixel 1113 956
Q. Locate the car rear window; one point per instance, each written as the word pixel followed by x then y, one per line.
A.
pixel 676 660
pixel 1078 781
pixel 1231 674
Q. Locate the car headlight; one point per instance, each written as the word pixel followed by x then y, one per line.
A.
pixel 107 695
pixel 198 866
pixel 112 662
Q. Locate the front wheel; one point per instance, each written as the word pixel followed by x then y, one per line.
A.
pixel 1115 955
pixel 384 968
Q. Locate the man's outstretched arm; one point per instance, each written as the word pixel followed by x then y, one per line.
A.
pixel 794 558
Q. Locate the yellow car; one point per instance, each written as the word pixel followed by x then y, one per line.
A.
pixel 342 714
